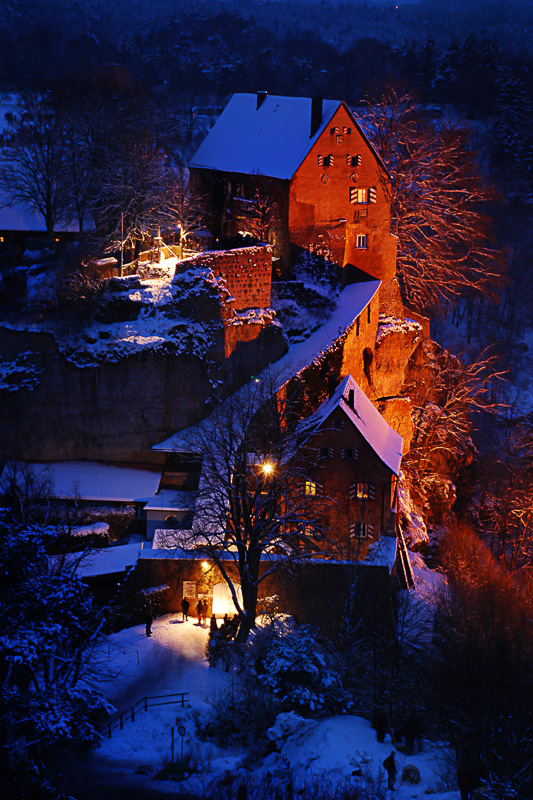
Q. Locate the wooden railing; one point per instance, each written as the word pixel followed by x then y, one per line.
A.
pixel 117 721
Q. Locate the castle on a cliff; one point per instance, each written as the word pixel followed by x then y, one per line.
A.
pixel 329 188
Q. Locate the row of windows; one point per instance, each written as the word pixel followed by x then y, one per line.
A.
pixel 328 160
pixel 358 491
pixel 336 130
pixel 345 452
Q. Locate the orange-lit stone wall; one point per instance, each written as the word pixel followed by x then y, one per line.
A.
pixel 321 214
pixel 246 270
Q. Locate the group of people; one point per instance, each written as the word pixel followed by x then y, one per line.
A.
pixel 201 610
pixel 219 639
pixel 406 735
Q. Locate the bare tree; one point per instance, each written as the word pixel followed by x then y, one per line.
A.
pixel 257 215
pixel 185 208
pixel 252 513
pixel 443 414
pixel 439 203
pixel 505 508
pixel 32 164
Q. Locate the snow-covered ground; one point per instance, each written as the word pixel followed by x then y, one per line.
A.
pixel 172 660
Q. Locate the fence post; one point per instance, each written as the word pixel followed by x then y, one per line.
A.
pixel 109 730
pixel 146 704
pixel 121 723
pixel 133 714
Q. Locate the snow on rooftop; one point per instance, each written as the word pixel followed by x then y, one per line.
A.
pixel 382 553
pixel 385 442
pixel 171 500
pixel 109 560
pixel 92 480
pixel 351 303
pixel 272 140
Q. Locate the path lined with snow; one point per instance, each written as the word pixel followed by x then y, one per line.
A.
pixel 173 660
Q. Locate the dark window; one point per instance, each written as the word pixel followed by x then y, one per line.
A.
pixel 361 530
pixel 349 453
pixel 325 452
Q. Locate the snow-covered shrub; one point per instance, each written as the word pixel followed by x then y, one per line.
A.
pixel 287 724
pixel 301 674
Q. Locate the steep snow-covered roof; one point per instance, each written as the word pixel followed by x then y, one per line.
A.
pixel 386 443
pixel 272 140
pixel 103 482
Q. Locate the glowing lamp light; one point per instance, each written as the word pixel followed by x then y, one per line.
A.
pixel 267 468
pixel 205 565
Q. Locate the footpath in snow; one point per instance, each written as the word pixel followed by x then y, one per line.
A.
pixel 172 660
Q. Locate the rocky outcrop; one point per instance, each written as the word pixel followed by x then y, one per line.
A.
pixel 396 341
pixel 114 410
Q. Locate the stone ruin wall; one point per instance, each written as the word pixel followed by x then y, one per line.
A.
pixel 247 272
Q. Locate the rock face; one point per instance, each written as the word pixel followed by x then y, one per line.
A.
pixel 151 359
pixel 396 340
pixel 118 409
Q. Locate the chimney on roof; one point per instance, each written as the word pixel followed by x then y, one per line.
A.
pixel 261 97
pixel 316 114
pixel 351 398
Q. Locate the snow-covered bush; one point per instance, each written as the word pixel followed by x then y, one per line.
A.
pixel 301 673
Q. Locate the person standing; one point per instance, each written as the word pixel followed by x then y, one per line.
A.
pixel 185 609
pixel 149 620
pixel 199 611
pixel 205 609
pixel 390 769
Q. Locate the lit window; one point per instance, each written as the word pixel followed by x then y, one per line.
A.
pixel 311 488
pixel 361 242
pixel 362 491
pixel 358 195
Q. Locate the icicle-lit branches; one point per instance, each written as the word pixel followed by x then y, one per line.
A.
pixel 439 203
